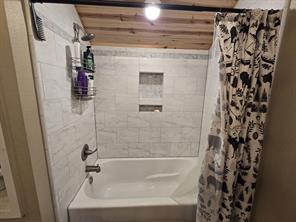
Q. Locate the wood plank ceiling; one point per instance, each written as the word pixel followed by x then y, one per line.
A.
pixel 128 27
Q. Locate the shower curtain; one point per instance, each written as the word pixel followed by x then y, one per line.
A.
pixel 248 45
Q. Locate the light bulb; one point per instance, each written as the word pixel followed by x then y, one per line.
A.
pixel 152 12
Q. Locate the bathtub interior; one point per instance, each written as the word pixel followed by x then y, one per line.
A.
pixel 140 182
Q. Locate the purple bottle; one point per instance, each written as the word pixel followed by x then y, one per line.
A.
pixel 82 82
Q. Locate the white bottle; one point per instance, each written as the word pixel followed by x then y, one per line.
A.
pixel 77 54
pixel 91 89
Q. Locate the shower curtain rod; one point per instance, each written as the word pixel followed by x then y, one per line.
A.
pixel 111 3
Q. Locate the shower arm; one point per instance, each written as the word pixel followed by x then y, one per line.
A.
pixel 77 28
pixel 127 4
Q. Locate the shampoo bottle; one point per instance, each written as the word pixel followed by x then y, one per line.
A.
pixel 82 82
pixel 88 58
pixel 91 84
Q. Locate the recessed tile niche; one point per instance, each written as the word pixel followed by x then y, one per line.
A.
pixel 150 91
pixel 150 108
pixel 151 85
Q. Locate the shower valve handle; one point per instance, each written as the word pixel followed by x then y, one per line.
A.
pixel 86 152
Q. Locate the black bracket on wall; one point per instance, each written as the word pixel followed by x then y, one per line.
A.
pixel 37 24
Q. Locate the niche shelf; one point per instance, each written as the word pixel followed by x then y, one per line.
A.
pixel 150 108
pixel 151 85
pixel 150 91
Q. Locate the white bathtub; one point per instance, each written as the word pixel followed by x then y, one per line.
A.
pixel 134 190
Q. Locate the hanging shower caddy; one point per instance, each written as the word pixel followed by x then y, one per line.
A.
pixel 83 80
pixel 80 91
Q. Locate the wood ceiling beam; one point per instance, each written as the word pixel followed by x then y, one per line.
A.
pixel 107 10
pixel 142 18
pixel 152 43
pixel 149 35
pixel 163 46
pixel 128 27
pixel 207 29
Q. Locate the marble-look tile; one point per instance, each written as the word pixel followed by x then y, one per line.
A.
pixel 141 134
pixel 68 114
pixel 61 142
pixel 182 119
pixel 112 83
pixel 191 134
pixel 151 101
pixel 194 149
pixel 197 62
pixel 196 70
pixel 155 119
pixel 52 115
pixel 160 149
pixel 168 84
pixel 126 66
pixel 115 119
pixel 107 135
pixel 100 120
pixel 38 81
pixel 46 50
pixel 149 135
pixel 139 150
pixel 105 103
pixel 68 123
pixel 128 102
pixel 113 150
pixel 55 82
pixel 136 119
pixel 127 135
pixel 181 149
pixel 185 103
pixel 60 174
pixel 133 84
pixel 104 66
pixel 173 67
pixel 85 129
pixel 77 166
pixel 171 135
pixel 64 50
pixel 151 65
pixel 185 85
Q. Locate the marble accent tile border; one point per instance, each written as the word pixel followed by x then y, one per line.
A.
pixel 123 53
pixel 55 28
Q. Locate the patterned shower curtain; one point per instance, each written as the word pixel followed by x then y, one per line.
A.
pixel 248 44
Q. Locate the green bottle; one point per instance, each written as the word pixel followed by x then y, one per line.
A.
pixel 88 58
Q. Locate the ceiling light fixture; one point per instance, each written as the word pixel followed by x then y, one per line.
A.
pixel 152 10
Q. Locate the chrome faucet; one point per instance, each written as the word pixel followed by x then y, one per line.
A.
pixel 95 168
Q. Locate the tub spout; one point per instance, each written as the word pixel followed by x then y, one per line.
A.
pixel 95 168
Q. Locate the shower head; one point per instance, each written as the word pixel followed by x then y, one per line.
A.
pixel 88 37
pixel 85 37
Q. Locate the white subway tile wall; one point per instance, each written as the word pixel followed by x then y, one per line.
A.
pixel 122 130
pixel 67 123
